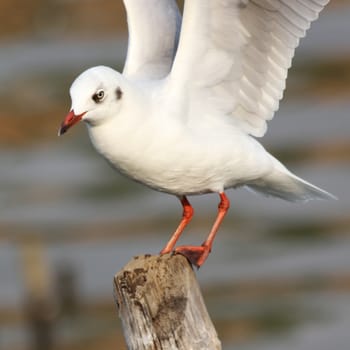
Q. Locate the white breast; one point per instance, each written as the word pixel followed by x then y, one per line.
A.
pixel 168 157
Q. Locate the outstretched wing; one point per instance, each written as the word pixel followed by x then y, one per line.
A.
pixel 154 27
pixel 234 55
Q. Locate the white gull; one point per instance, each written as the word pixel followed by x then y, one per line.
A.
pixel 184 115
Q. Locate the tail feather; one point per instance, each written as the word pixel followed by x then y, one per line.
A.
pixel 283 184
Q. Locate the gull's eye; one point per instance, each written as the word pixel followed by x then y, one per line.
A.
pixel 98 96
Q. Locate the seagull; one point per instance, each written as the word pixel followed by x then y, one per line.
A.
pixel 195 95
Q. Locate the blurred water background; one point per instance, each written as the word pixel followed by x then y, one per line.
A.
pixel 279 274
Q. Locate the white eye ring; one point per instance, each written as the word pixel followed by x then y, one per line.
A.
pixel 98 96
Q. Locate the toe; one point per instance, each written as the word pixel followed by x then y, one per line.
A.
pixel 195 254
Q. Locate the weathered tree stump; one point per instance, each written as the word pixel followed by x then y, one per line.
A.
pixel 161 306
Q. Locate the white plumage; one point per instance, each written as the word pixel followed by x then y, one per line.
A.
pixel 183 115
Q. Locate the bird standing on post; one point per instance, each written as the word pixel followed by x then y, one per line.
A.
pixel 184 115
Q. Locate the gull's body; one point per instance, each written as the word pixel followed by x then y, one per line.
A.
pixel 174 155
pixel 183 116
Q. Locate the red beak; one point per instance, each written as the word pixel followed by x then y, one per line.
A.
pixel 69 121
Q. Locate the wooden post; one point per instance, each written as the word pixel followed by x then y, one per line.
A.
pixel 40 309
pixel 161 306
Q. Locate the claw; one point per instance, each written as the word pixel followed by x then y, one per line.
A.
pixel 196 255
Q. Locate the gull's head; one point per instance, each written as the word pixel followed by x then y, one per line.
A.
pixel 96 95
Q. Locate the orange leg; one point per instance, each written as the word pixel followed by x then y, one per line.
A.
pixel 186 218
pixel 198 254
